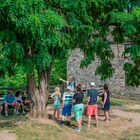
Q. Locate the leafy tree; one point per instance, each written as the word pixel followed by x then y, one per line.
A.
pixel 34 33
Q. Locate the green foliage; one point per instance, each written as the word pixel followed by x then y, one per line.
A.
pixel 35 33
pixel 130 24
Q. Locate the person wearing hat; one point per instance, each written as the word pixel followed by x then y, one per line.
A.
pixel 92 107
pixel 67 106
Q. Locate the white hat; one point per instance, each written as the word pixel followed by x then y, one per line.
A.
pixel 69 88
pixel 92 84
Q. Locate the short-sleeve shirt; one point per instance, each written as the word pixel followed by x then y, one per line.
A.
pixel 78 97
pixel 9 99
pixel 93 94
pixel 18 99
pixel 24 98
pixel 67 98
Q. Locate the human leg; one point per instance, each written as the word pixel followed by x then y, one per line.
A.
pixel 54 113
pixel 58 112
pixel 106 116
pixel 22 106
pixel 6 109
pixel 95 113
pixel 89 120
pixel 96 119
pixel 1 108
pixel 64 112
pixel 89 113
pixel 17 107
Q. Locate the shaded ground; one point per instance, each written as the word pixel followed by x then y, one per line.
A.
pixel 6 135
pixel 123 125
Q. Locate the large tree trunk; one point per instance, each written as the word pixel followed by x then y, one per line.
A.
pixel 39 95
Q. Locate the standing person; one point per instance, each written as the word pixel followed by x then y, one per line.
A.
pixel 67 106
pixel 9 101
pixel 78 106
pixel 71 83
pixel 56 96
pixel 106 102
pixel 92 107
pixel 19 103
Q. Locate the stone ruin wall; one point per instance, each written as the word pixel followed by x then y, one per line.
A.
pixel 117 84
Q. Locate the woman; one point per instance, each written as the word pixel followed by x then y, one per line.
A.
pixel 106 102
pixel 78 106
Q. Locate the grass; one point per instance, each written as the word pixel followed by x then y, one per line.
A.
pixel 133 110
pixel 35 130
pixel 122 102
pixel 118 102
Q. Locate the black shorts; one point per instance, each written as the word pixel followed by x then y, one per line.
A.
pixel 9 106
pixel 18 101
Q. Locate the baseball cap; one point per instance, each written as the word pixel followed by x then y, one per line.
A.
pixel 92 84
pixel 69 88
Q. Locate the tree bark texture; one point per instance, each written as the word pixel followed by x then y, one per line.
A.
pixel 39 94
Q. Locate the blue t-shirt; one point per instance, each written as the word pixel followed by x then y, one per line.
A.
pixel 93 94
pixel 9 99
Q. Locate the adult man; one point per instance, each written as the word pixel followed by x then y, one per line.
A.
pixel 9 101
pixel 92 107
pixel 71 83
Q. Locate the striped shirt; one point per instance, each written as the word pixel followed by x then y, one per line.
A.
pixel 67 98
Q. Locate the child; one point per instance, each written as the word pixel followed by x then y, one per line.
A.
pixel 19 103
pixel 67 106
pixel 56 96
pixel 25 101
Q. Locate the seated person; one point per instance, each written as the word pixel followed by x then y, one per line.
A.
pixel 9 101
pixel 25 101
pixel 19 103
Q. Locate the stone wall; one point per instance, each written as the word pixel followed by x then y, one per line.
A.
pixel 117 84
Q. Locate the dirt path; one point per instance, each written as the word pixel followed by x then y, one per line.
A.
pixel 133 118
pixel 6 135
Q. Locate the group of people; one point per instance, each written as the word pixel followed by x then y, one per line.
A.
pixel 73 99
pixel 17 101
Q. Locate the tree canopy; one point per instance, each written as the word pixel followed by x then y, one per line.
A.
pixel 34 33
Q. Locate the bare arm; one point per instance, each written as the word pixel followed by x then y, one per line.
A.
pixel 97 99
pixel 62 103
pixel 105 97
pixel 52 96
pixel 73 101
pixel 63 80
pixel 88 99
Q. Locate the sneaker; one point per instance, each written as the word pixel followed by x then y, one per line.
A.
pixel 77 129
pixel 80 127
pixel 61 123
pixel 68 124
pixel 23 112
pixel 6 114
pixel 17 113
pixel 88 126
